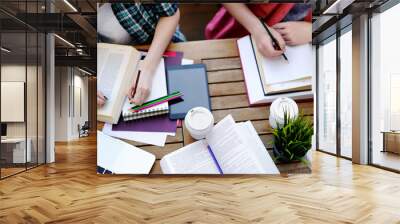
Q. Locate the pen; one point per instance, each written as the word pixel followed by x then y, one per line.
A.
pixel 136 83
pixel 157 101
pixel 274 41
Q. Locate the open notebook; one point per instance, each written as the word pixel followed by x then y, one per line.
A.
pixel 280 76
pixel 229 148
pixel 158 89
pixel 267 79
pixel 116 65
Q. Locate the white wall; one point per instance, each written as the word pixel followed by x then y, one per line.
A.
pixel 61 104
pixel 12 73
pixel 70 83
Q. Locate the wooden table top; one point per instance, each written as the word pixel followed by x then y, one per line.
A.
pixel 228 96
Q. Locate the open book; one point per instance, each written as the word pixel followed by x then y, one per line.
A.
pixel 267 79
pixel 117 66
pixel 229 148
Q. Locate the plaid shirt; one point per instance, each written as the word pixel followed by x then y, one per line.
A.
pixel 140 20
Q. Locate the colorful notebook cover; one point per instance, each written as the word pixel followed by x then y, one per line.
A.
pixel 154 124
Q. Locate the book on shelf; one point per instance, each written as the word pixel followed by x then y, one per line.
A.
pixel 229 148
pixel 269 78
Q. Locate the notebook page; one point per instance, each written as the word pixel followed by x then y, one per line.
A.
pixel 257 147
pixel 158 89
pixel 231 149
pixel 191 159
pixel 278 70
pixel 106 79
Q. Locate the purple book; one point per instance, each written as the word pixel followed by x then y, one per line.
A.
pixel 160 123
pixel 177 60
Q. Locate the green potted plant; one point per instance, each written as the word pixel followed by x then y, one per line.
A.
pixel 292 140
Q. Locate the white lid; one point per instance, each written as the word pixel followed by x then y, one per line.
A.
pixel 279 107
pixel 199 118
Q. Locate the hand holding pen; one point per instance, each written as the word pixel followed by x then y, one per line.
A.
pixel 140 88
pixel 266 44
pixel 275 42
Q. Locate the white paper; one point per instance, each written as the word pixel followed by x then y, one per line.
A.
pixel 122 158
pixel 278 70
pixel 191 159
pixel 257 146
pixel 152 138
pixel 186 61
pixel 231 149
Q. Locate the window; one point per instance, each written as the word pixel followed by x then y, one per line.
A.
pixel 327 97
pixel 346 93
pixel 385 89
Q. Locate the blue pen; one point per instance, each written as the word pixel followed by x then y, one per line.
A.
pixel 215 159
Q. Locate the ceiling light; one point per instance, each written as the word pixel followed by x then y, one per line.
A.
pixel 337 7
pixel 64 40
pixel 5 50
pixel 70 5
pixel 84 71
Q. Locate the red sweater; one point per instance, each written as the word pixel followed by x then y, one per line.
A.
pixel 223 25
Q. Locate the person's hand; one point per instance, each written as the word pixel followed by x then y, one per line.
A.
pixel 101 99
pixel 139 96
pixel 295 33
pixel 265 45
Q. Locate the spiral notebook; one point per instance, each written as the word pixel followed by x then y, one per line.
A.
pixel 127 115
pixel 158 89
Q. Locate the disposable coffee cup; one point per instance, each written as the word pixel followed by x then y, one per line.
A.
pixel 199 122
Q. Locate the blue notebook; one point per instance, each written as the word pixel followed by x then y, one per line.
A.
pixel 191 80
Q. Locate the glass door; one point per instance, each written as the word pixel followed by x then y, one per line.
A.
pixel 14 155
pixel 22 77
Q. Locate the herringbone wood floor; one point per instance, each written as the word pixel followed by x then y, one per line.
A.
pixel 70 191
